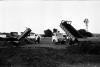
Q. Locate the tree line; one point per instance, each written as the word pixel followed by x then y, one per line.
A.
pixel 83 32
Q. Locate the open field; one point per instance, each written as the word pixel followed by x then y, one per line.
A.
pixel 46 57
pixel 47 54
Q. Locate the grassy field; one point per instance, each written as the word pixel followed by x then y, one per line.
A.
pixel 46 57
pixel 58 56
pixel 46 40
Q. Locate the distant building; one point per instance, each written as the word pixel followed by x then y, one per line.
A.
pixel 14 34
pixel 3 35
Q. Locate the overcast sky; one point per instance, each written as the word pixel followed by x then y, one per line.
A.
pixel 42 15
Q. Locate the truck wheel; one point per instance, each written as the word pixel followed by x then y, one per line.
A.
pixel 38 40
pixel 62 42
pixel 54 41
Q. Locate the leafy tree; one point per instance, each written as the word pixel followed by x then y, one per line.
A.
pixel 85 33
pixel 88 34
pixel 48 33
pixel 55 30
pixel 82 31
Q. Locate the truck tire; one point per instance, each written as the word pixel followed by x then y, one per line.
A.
pixel 38 40
pixel 54 42
pixel 62 42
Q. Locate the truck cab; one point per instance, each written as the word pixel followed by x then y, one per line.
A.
pixel 58 38
pixel 34 37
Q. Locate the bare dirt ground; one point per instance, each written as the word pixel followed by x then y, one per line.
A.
pixel 47 54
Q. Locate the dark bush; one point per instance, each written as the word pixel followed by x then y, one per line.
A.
pixel 48 33
pixel 88 34
pixel 55 30
pixel 85 33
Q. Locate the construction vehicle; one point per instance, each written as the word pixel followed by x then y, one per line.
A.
pixel 58 38
pixel 72 34
pixel 33 37
pixel 12 41
pixel 73 37
pixel 88 45
pixel 3 35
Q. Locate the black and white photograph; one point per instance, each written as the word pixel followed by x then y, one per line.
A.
pixel 49 33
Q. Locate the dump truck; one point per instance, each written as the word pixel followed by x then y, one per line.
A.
pixel 58 38
pixel 88 45
pixel 72 34
pixel 33 37
pixel 12 41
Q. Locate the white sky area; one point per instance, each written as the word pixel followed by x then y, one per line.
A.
pixel 42 15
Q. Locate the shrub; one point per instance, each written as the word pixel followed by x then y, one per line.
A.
pixel 85 33
pixel 48 33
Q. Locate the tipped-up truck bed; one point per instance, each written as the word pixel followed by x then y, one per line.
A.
pixel 23 35
pixel 70 30
pixel 72 34
pixel 17 41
